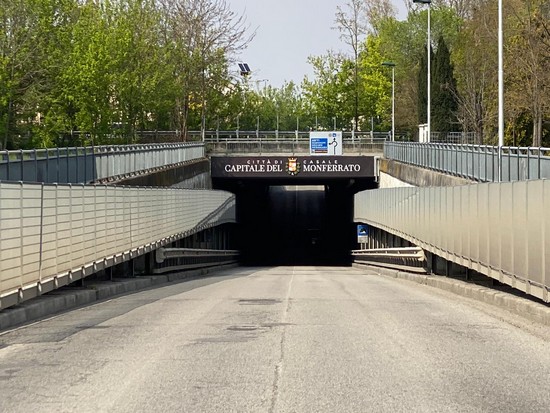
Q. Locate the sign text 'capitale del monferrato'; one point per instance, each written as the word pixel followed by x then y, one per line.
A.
pixel 292 166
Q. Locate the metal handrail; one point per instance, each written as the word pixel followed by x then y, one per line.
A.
pixel 167 253
pixel 402 258
pixel 482 163
pixel 404 252
pixel 92 163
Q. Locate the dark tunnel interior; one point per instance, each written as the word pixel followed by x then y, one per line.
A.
pixel 308 224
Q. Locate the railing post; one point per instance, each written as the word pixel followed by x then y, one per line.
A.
pixel 21 160
pixel 35 166
pixel 538 167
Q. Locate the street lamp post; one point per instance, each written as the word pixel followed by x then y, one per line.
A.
pixel 392 65
pixel 500 91
pixel 428 2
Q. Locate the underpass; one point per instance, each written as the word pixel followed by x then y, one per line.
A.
pixel 294 210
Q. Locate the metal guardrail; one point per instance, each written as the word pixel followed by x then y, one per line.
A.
pixel 167 253
pixel 172 259
pixel 409 258
pixel 291 146
pixel 93 163
pixel 501 230
pixel 475 162
pixel 219 135
pixel 52 234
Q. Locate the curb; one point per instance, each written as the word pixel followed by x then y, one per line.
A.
pixel 71 298
pixel 530 310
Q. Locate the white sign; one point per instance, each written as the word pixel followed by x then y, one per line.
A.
pixel 325 143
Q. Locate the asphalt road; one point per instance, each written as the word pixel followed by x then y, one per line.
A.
pixel 282 339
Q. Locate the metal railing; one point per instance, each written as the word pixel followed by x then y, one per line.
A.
pixel 409 258
pixel 475 162
pixel 93 163
pixel 55 234
pixel 287 143
pixel 172 259
pixel 501 230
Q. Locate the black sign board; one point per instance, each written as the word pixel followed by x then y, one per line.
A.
pixel 293 167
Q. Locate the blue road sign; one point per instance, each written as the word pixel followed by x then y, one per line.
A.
pixel 318 145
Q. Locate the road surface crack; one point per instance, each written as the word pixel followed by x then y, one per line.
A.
pixel 279 365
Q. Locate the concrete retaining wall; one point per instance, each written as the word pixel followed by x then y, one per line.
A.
pixel 190 175
pixel 400 174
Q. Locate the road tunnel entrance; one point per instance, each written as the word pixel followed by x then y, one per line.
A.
pixel 294 210
pixel 294 225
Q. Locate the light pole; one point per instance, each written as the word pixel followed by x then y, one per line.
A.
pixel 500 91
pixel 392 65
pixel 264 81
pixel 428 2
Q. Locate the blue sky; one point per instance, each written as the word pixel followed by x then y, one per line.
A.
pixel 288 31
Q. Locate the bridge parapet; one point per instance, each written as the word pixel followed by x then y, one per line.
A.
pixel 501 230
pixel 93 163
pixel 252 146
pixel 475 162
pixel 53 234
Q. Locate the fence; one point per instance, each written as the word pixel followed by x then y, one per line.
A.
pixel 476 162
pixel 289 143
pixel 89 164
pixel 501 230
pixel 468 138
pixel 50 232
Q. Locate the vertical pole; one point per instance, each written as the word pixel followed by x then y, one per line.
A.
pixel 500 91
pixel 277 129
pixel 21 169
pixel 429 73
pixel 371 129
pixel 393 103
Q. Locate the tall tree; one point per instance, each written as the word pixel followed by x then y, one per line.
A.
pixel 325 91
pixel 444 91
pixel 201 31
pixel 19 65
pixel 352 26
pixel 142 71
pixel 475 69
pixel 529 69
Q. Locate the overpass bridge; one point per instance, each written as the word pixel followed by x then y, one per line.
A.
pixel 53 234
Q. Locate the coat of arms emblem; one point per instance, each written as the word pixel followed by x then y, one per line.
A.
pixel 293 167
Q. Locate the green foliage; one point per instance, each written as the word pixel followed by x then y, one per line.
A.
pixel 326 92
pixel 79 72
pixel 74 73
pixel 444 91
pixel 376 85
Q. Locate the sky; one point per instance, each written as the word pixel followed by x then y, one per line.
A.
pixel 287 32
